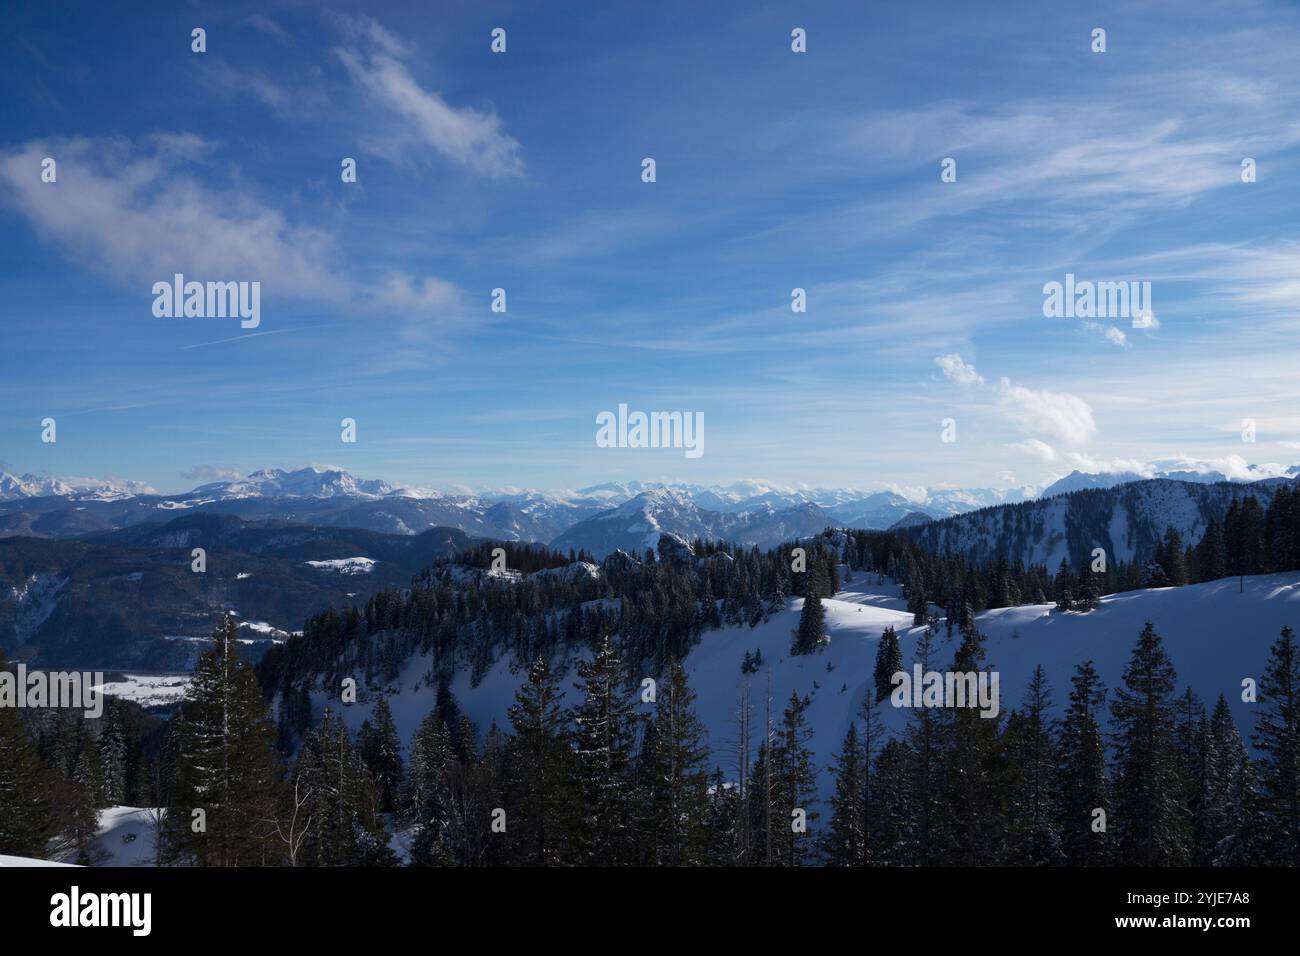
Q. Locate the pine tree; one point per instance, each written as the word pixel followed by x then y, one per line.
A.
pixel 675 781
pixel 1036 794
pixel 972 758
pixel 811 633
pixel 891 818
pixel 602 743
pixel 916 599
pixel 425 798
pixel 794 785
pixel 346 828
pixel 873 733
pixel 1085 789
pixel 1063 587
pixel 1088 590
pixel 381 750
pixel 1231 823
pixel 26 817
pixel 225 763
pixel 539 802
pixel 73 789
pixel 1277 738
pixel 1211 557
pixel 1151 818
pixel 111 753
pixel 889 661
pixel 1196 759
pixel 845 840
pixel 1172 557
pixel 924 739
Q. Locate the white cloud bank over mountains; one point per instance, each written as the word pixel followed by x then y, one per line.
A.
pixel 1065 418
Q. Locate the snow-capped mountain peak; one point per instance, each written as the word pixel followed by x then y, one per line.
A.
pixel 314 481
pixel 13 487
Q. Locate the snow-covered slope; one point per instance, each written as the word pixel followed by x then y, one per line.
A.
pixel 1127 520
pixel 1215 636
pixel 637 524
pixel 314 481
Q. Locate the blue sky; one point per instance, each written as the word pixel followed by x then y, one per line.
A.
pixel 775 170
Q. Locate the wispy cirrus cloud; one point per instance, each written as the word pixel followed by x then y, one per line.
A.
pixel 139 212
pixel 473 139
pixel 136 212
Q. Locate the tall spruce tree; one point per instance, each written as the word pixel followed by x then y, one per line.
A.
pixel 112 753
pixel 381 750
pixel 972 757
pixel 1211 557
pixel 539 800
pixel 1231 826
pixel 925 739
pixel 1194 747
pixel 1063 587
pixel 845 840
pixel 1277 738
pixel 225 764
pixel 811 633
pixel 872 736
pixel 892 820
pixel 426 797
pixel 794 786
pixel 889 661
pixel 342 803
pixel 674 819
pixel 1036 789
pixel 1085 797
pixel 26 817
pixel 603 737
pixel 1152 822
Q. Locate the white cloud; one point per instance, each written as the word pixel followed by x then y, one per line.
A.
pixel 471 138
pixel 138 214
pixel 207 473
pixel 132 212
pixel 1109 466
pixel 1039 449
pixel 401 293
pixel 1066 418
pixel 1233 467
pixel 1111 333
pixel 958 370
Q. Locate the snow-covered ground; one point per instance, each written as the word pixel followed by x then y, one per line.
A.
pixel 345 565
pixel 126 837
pixel 14 861
pixel 1215 636
pixel 148 690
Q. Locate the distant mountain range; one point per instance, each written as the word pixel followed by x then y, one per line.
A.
pixel 13 487
pixel 96 575
pixel 598 519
